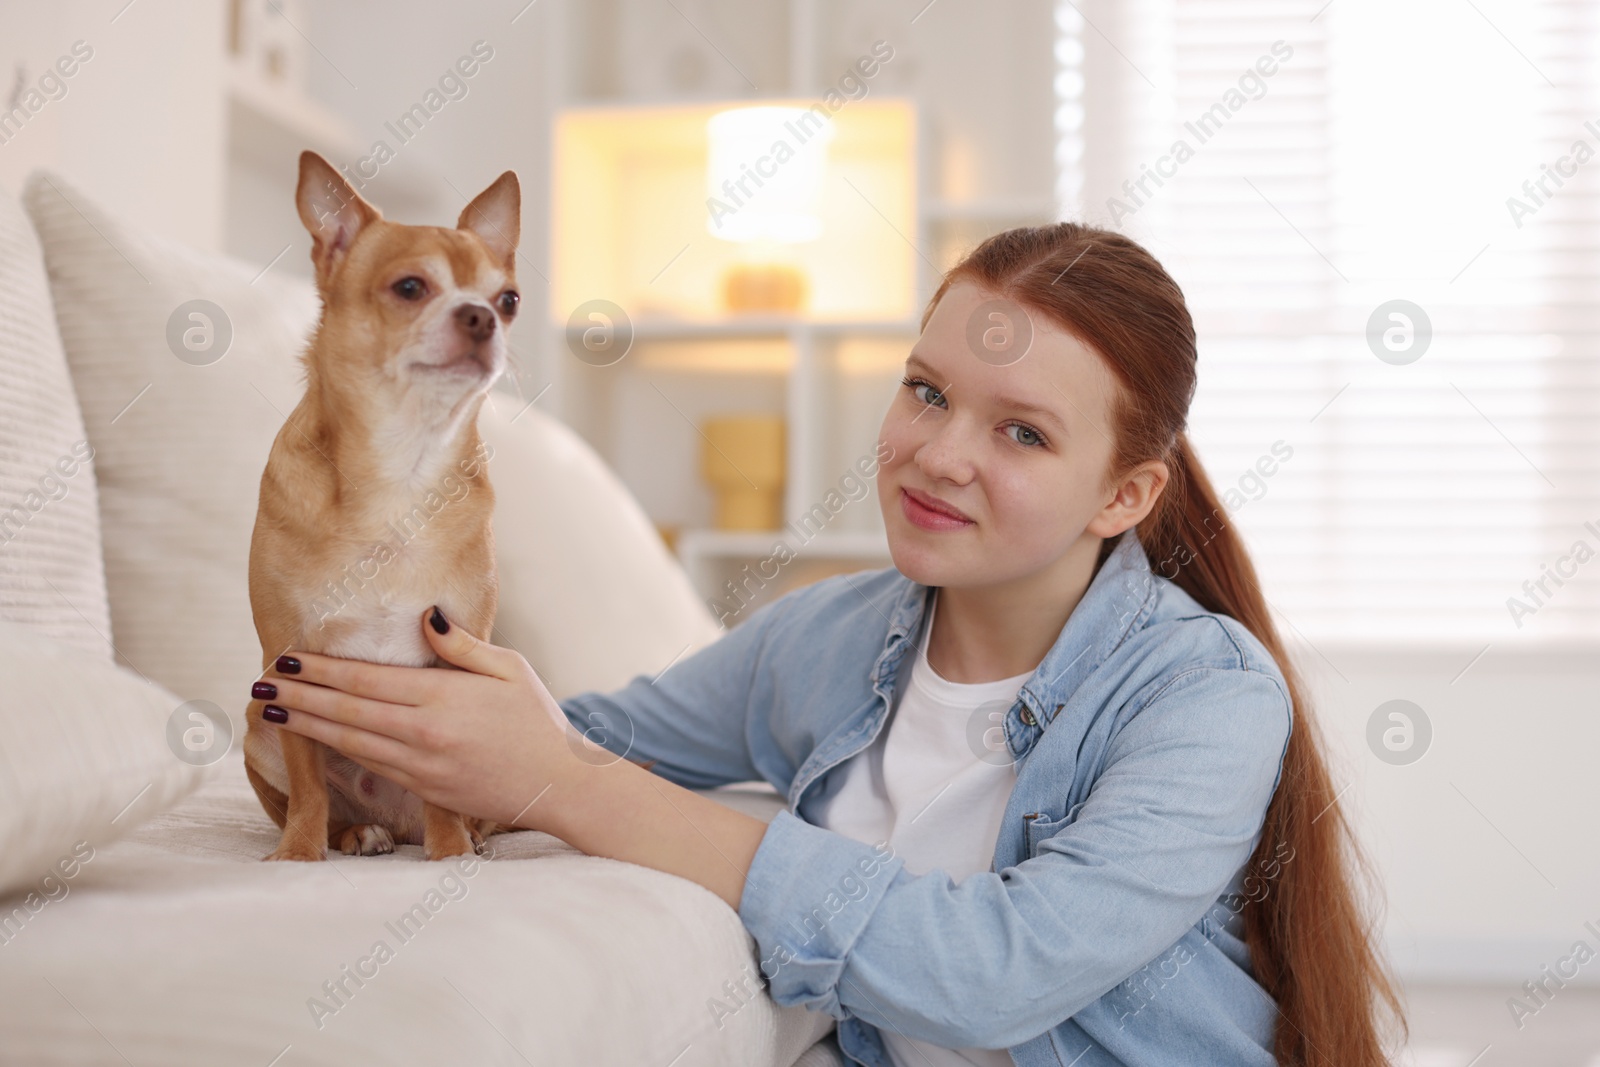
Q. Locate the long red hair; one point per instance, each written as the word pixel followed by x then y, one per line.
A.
pixel 1311 933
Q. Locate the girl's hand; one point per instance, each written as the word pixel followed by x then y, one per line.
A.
pixel 490 741
pixel 485 741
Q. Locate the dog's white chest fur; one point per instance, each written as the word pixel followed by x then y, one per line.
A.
pixel 377 627
pixel 373 623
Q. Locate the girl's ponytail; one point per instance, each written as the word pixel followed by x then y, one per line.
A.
pixel 1310 942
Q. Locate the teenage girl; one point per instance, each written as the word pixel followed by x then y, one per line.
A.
pixel 1055 792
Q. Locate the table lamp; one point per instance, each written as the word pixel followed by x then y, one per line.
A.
pixel 764 179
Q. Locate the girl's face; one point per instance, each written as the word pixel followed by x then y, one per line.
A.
pixel 1012 433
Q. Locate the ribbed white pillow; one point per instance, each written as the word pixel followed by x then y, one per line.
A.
pixel 84 758
pixel 179 447
pixel 588 592
pixel 51 574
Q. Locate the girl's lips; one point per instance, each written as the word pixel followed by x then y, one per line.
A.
pixel 926 517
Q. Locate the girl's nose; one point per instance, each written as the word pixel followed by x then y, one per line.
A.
pixel 943 456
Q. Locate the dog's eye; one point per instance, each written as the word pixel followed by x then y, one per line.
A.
pixel 409 288
pixel 508 302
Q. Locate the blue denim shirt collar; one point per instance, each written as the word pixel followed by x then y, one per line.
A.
pixel 1121 594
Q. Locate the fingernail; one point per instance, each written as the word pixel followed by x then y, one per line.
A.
pixel 288 665
pixel 273 713
pixel 264 690
pixel 438 622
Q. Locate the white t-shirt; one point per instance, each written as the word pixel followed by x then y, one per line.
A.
pixel 934 784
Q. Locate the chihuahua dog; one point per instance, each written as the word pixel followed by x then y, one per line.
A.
pixel 362 524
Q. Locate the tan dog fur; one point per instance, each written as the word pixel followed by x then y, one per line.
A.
pixel 383 424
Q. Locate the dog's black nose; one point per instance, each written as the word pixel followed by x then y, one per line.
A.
pixel 476 321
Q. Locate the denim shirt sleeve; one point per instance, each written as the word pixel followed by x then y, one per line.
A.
pixel 1003 957
pixel 693 718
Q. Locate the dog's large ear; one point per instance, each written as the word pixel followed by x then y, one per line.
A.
pixel 496 216
pixel 331 210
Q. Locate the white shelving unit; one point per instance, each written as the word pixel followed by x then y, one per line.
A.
pixel 718 561
pixel 803 412
pixel 832 382
pixel 831 421
pixel 714 558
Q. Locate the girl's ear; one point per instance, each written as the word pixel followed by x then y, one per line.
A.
pixel 1134 497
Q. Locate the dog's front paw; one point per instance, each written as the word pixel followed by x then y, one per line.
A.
pixel 299 851
pixel 366 839
pixel 455 847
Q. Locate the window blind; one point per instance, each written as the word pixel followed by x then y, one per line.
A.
pixel 1442 154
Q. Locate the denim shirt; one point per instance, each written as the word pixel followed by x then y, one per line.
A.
pixel 1147 745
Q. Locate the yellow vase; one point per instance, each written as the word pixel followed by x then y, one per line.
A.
pixel 742 458
pixel 778 288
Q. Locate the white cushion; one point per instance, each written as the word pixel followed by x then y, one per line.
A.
pixel 51 574
pixel 84 758
pixel 588 592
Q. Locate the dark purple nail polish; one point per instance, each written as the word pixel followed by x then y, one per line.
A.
pixel 273 713
pixel 264 690
pixel 288 665
pixel 438 621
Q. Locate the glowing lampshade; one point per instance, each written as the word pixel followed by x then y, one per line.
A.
pixel 764 173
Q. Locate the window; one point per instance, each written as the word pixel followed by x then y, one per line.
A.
pixel 1442 154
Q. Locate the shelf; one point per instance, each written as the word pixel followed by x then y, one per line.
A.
pixel 737 571
pixel 271 124
pixel 630 222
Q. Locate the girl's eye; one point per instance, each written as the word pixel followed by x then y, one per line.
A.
pixel 1035 438
pixel 917 383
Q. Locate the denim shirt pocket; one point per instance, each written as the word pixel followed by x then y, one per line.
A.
pixel 1039 828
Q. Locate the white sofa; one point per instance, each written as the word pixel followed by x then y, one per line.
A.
pixel 137 924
